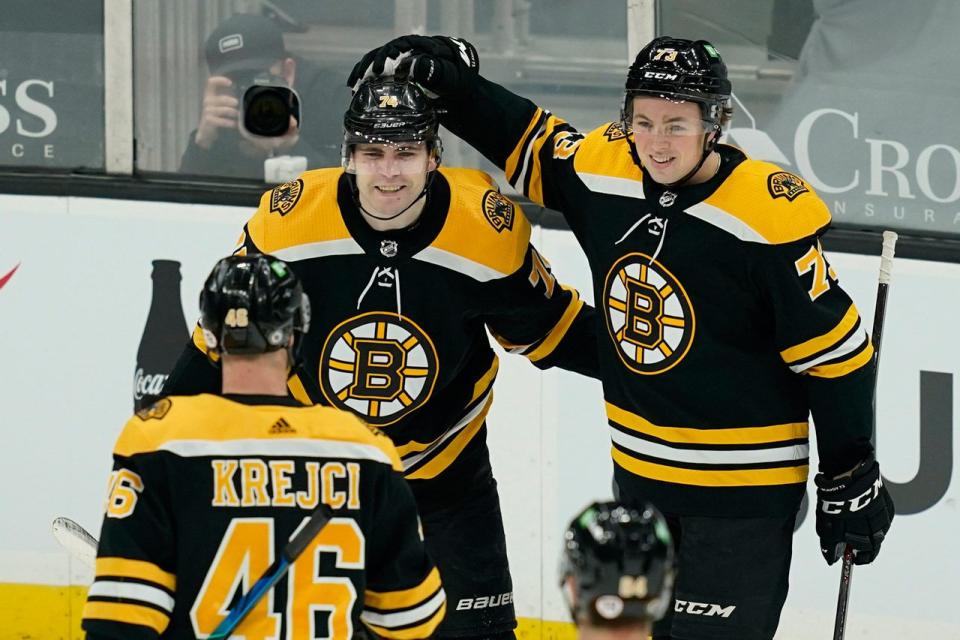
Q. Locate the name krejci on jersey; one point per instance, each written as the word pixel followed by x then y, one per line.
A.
pixel 252 482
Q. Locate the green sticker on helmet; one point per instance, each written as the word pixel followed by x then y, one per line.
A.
pixel 713 52
pixel 588 517
pixel 279 269
pixel 662 531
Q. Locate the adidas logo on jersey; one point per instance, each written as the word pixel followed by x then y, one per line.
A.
pixel 282 426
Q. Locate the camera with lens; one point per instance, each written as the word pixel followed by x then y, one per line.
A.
pixel 266 104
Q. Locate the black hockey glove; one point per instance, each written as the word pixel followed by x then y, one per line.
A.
pixel 853 509
pixel 443 66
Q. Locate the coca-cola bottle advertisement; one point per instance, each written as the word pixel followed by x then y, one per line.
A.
pixel 164 335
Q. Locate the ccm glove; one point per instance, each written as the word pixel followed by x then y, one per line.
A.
pixel 854 508
pixel 443 66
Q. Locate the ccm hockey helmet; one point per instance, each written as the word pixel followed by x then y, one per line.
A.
pixel 389 111
pixel 617 566
pixel 680 70
pixel 253 304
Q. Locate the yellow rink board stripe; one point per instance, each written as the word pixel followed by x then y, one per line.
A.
pixel 54 613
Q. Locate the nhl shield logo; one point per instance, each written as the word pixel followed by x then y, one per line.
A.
pixel 668 198
pixel 785 185
pixel 285 197
pixel 498 210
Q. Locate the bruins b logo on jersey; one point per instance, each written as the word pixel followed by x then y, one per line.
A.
pixel 649 316
pixel 378 365
pixel 285 197
pixel 498 210
pixel 785 185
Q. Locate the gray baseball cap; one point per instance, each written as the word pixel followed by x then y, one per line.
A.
pixel 244 42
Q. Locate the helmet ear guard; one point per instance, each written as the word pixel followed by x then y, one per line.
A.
pixel 253 304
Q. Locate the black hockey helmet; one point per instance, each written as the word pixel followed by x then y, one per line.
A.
pixel 253 304
pixel 389 111
pixel 679 69
pixel 617 565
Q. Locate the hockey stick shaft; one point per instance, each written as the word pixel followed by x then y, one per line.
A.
pixel 76 540
pixel 880 312
pixel 318 519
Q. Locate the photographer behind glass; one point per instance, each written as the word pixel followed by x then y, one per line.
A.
pixel 251 90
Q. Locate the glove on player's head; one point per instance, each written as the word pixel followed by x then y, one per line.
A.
pixel 442 65
pixel 617 565
pixel 388 111
pixel 253 304
pixel 680 70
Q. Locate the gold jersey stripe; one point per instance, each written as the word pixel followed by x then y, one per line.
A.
pixel 560 329
pixel 139 569
pixel 534 178
pixel 711 478
pixel 423 630
pixel 518 152
pixel 404 598
pixel 126 613
pixel 820 343
pixel 454 448
pixel 207 418
pixel 479 389
pixel 731 435
pixel 298 391
pixel 838 369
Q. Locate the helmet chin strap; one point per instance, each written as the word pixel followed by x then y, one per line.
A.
pixel 708 147
pixel 356 199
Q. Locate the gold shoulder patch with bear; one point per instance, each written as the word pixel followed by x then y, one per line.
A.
pixel 156 411
pixel 498 210
pixel 285 197
pixel 785 185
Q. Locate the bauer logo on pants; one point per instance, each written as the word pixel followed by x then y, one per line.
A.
pixel 649 316
pixel 378 365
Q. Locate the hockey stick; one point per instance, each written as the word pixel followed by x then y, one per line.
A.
pixel 318 519
pixel 886 265
pixel 76 540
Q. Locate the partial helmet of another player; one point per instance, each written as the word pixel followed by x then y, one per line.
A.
pixel 680 70
pixel 391 112
pixel 617 566
pixel 253 304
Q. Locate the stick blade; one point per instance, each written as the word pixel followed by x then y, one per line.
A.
pixel 76 540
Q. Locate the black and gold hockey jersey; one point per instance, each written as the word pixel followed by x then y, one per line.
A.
pixel 399 328
pixel 206 491
pixel 725 324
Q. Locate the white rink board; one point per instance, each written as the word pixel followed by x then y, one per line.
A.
pixel 72 315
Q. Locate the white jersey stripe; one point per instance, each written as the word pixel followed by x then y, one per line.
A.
pixel 297 447
pixel 420 613
pixel 132 591
pixel 346 246
pixel 613 185
pixel 478 408
pixel 849 345
pixel 796 452
pixel 475 270
pixel 726 221
pixel 526 161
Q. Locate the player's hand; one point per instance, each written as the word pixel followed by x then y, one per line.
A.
pixel 854 508
pixel 221 109
pixel 442 65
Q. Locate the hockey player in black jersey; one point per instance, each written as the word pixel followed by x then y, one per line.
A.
pixel 409 265
pixel 617 570
pixel 726 327
pixel 206 490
